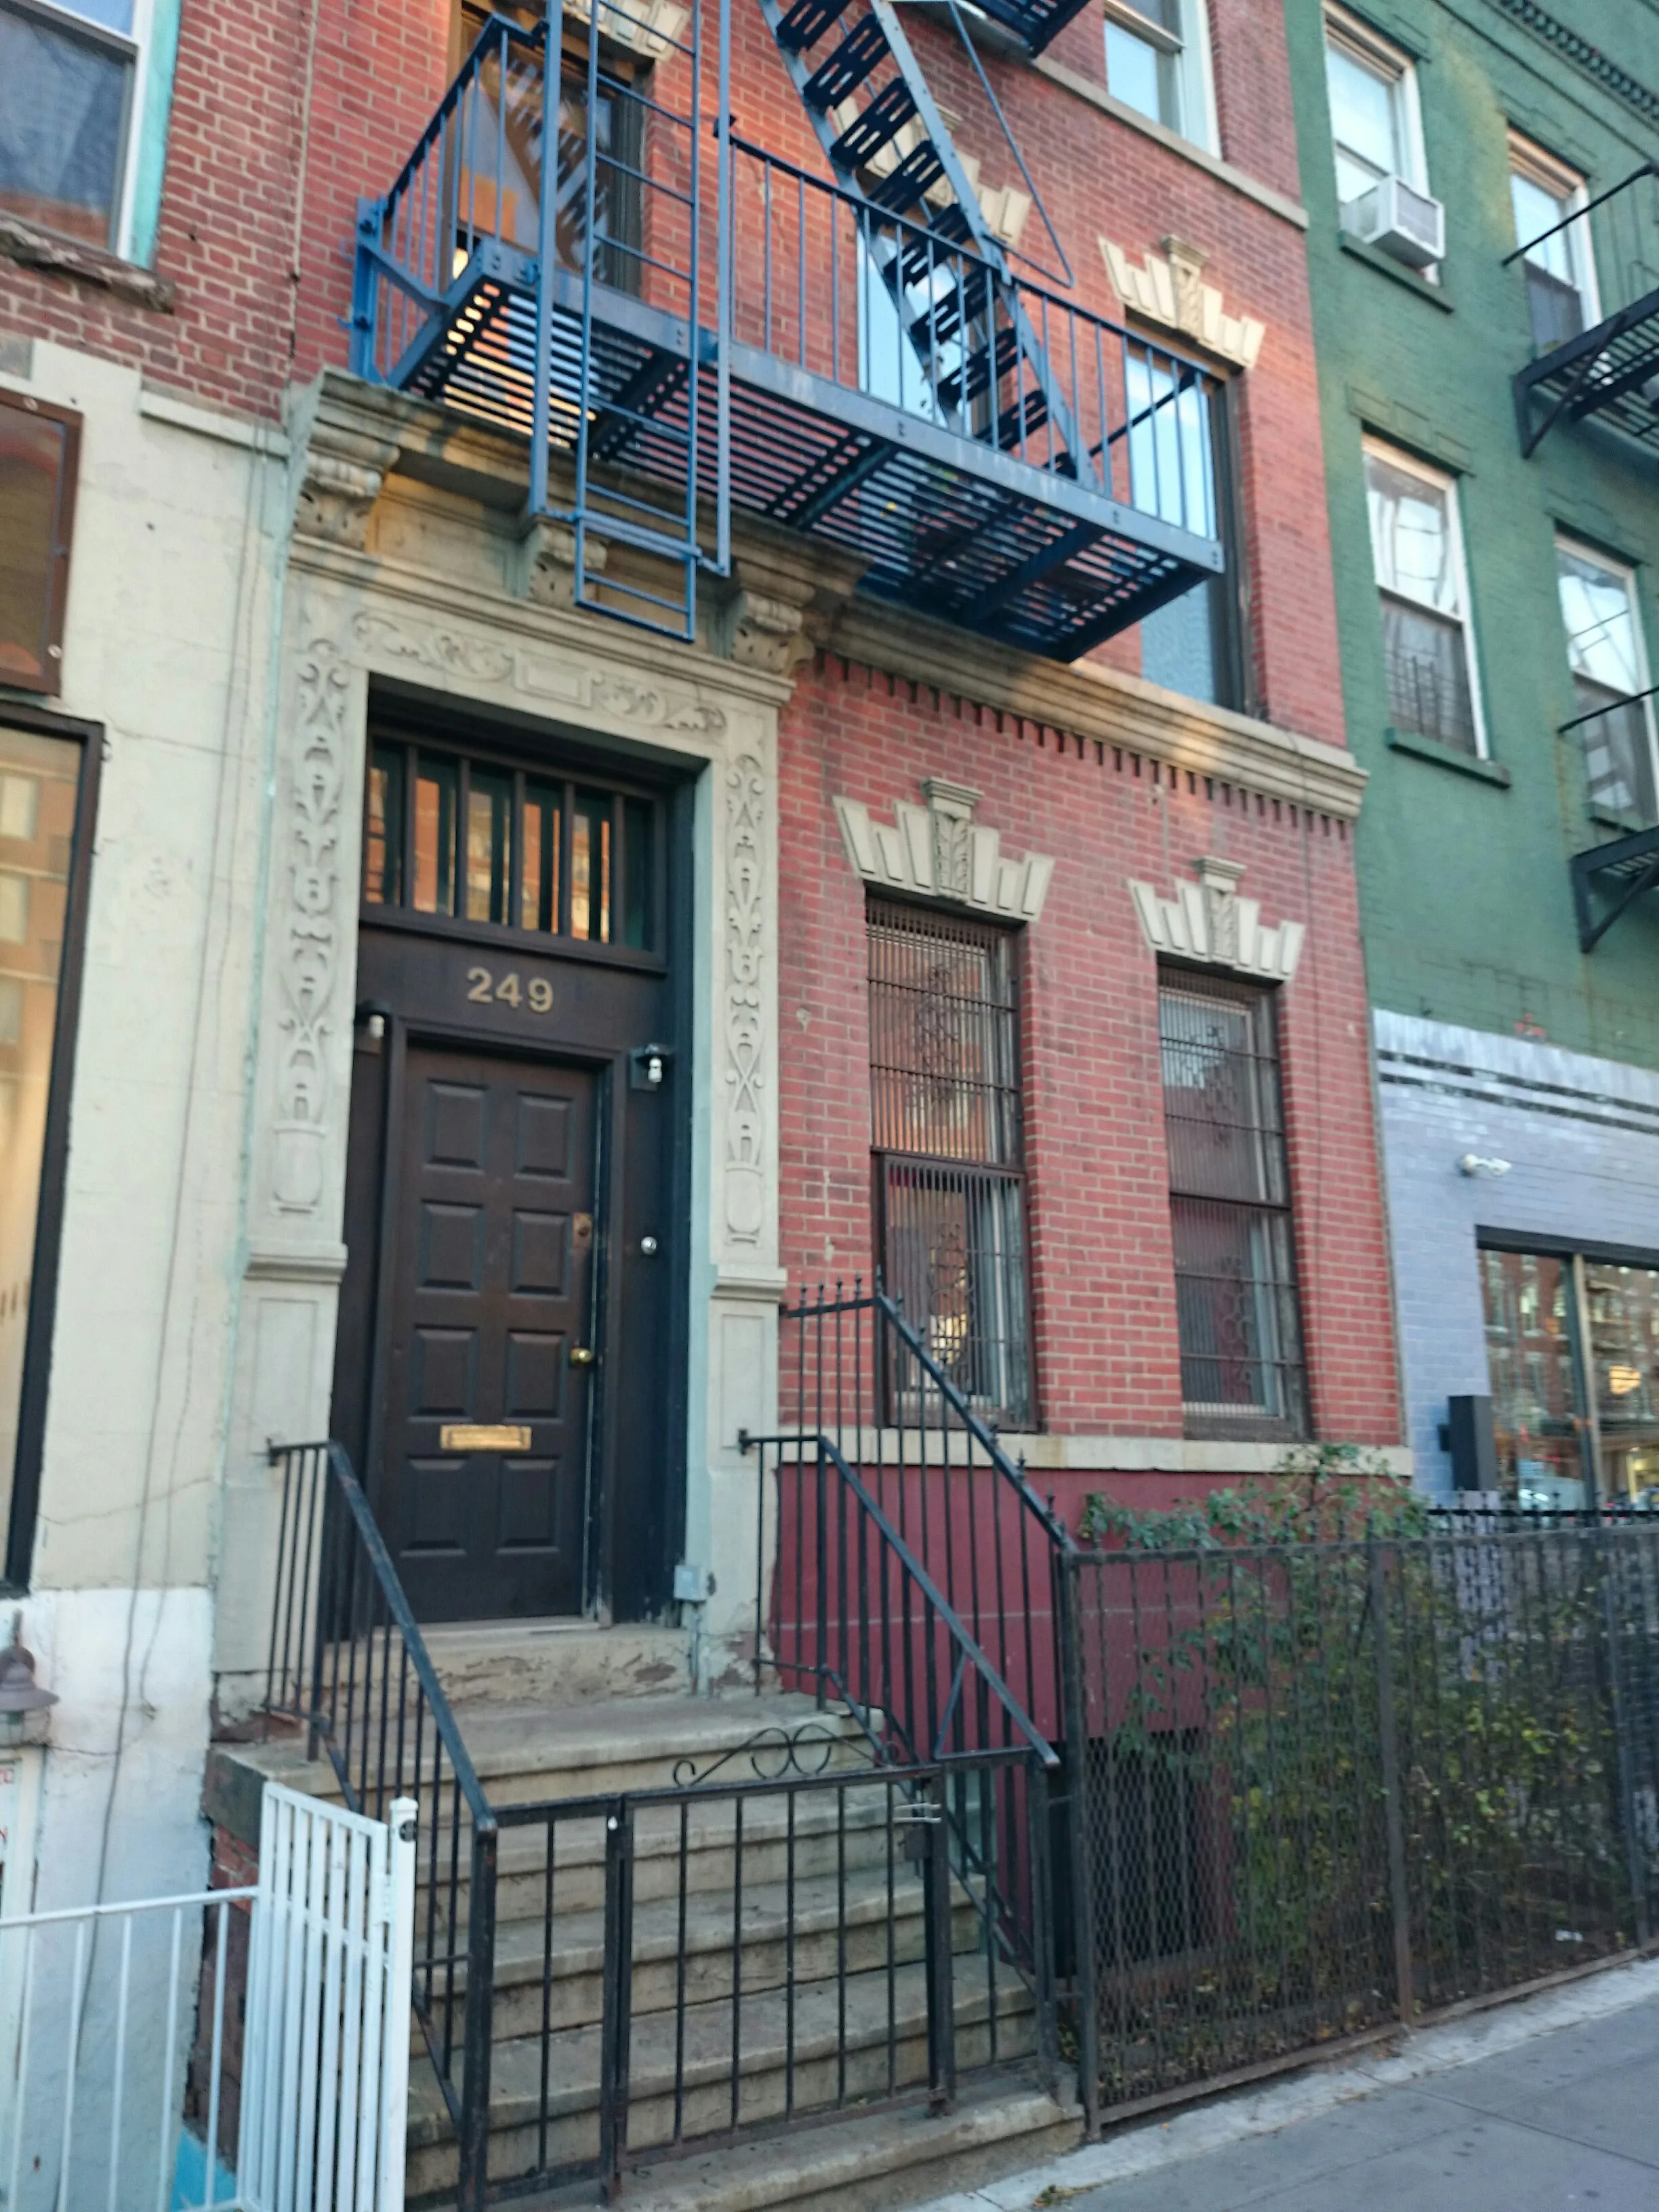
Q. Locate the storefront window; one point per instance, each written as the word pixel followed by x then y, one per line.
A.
pixel 40 782
pixel 1572 1348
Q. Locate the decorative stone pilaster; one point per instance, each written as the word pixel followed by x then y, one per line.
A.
pixel 547 562
pixel 784 605
pixel 342 472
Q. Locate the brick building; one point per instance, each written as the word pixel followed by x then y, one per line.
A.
pixel 775 717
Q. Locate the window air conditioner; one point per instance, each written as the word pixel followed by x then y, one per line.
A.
pixel 1400 220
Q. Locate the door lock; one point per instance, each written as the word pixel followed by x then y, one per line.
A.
pixel 583 1355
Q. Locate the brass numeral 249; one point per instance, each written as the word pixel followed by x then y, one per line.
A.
pixel 482 988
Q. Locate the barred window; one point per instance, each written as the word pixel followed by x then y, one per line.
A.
pixel 950 1197
pixel 1234 1252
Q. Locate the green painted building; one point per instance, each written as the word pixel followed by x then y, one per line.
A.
pixel 1486 309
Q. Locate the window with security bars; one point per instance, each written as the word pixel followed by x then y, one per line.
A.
pixel 950 1195
pixel 1242 1369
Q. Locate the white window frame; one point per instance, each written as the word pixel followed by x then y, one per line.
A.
pixel 1566 542
pixel 1200 120
pixel 139 42
pixel 1409 464
pixel 1529 159
pixel 1373 52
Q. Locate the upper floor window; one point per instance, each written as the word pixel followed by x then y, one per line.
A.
pixel 1181 470
pixel 39 449
pixel 1560 268
pixel 1230 1205
pixel 1376 128
pixel 1157 62
pixel 948 1145
pixel 475 841
pixel 1609 663
pixel 69 98
pixel 1417 546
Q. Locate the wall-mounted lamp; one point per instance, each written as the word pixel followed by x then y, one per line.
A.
pixel 19 1690
pixel 1477 1164
pixel 647 1067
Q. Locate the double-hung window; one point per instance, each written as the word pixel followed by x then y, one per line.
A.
pixel 948 1144
pixel 71 90
pixel 1547 198
pixel 1427 644
pixel 1376 129
pixel 1181 470
pixel 1242 1369
pixel 1157 62
pixel 1606 651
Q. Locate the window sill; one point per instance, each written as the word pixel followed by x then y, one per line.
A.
pixel 1624 821
pixel 1431 749
pixel 33 248
pixel 1386 265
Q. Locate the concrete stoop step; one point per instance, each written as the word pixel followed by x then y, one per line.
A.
pixel 820 1942
pixel 870 2161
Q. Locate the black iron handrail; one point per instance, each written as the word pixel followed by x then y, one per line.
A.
pixel 373 1703
pixel 1579 215
pixel 1625 699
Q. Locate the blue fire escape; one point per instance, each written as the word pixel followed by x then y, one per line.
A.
pixel 686 322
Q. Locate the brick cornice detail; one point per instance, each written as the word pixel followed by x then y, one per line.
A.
pixel 1101 704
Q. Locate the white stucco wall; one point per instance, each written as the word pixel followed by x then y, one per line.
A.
pixel 179 519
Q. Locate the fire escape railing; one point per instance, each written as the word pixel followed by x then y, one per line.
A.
pixel 1593 295
pixel 1616 749
pixel 743 333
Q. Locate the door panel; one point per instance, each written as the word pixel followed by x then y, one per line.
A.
pixel 490 1290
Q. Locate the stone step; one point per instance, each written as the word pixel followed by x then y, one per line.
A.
pixel 823 1928
pixel 527 1754
pixel 852 1824
pixel 869 2161
pixel 883 2050
pixel 556 1663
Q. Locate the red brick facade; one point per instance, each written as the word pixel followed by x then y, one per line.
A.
pixel 1102 1281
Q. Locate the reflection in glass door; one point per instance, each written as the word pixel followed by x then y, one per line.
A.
pixel 1572 1348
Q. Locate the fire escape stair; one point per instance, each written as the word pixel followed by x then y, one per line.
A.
pixel 1609 374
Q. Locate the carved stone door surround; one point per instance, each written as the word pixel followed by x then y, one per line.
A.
pixel 536 662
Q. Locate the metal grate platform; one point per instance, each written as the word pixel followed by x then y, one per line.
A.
pixel 963 530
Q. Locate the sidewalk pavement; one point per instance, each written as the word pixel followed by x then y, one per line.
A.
pixel 1545 2106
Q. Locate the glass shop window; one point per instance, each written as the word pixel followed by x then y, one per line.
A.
pixel 39 454
pixel 41 780
pixel 1572 1352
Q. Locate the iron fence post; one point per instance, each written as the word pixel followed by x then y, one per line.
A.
pixel 1619 1706
pixel 1393 1808
pixel 1041 1843
pixel 478 2034
pixel 937 1919
pixel 616 2027
pixel 1075 1744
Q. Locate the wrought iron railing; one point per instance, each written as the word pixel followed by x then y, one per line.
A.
pixel 1326 1787
pixel 1593 298
pixel 348 1662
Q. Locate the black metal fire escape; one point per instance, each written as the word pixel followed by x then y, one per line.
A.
pixel 1609 372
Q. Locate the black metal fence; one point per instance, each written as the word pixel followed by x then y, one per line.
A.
pixel 1324 1787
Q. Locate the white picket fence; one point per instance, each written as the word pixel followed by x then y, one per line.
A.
pixel 120 2040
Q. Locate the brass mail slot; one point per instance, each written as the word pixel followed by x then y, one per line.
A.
pixel 482 1436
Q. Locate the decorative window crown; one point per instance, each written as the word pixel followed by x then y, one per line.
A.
pixel 1209 921
pixel 938 851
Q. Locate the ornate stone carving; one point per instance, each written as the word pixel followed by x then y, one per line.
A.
pixel 1169 289
pixel 745 1024
pixel 1209 921
pixel 310 948
pixel 434 645
pixel 342 474
pixel 547 555
pixel 941 852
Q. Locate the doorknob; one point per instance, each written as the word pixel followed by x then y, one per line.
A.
pixel 582 1355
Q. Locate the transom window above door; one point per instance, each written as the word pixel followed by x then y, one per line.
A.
pixel 476 841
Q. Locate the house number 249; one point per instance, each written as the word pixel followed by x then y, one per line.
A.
pixel 483 987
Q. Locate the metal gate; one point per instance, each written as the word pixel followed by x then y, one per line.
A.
pixel 296 2099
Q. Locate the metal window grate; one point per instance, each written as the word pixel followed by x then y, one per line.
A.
pixel 948 1146
pixel 1235 1260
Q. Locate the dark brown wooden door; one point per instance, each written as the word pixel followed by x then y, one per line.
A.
pixel 490 1294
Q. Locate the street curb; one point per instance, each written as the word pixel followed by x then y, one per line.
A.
pixel 1144 2146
